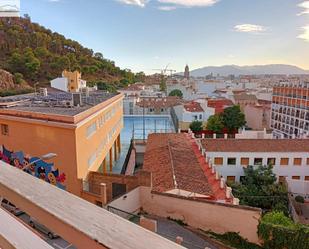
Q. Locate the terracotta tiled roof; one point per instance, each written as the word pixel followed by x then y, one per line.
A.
pixel 256 145
pixel 245 96
pixel 171 159
pixel 193 107
pixel 219 104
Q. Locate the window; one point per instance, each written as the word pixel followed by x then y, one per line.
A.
pixel 284 161
pixel 296 177
pixel 231 161
pixel 91 129
pixel 307 161
pixel 297 161
pixel 244 161
pixel 195 117
pixel 4 129
pixel 306 178
pixel 91 160
pixel 218 160
pixel 201 116
pixel 258 161
pixel 230 179
pixel 271 161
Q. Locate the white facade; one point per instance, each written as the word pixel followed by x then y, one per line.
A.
pixel 60 83
pixel 236 170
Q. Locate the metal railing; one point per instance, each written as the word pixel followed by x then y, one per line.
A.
pixel 126 215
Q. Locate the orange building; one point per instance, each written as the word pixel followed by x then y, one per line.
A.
pixel 85 137
pixel 290 115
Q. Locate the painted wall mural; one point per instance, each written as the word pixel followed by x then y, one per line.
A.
pixel 33 166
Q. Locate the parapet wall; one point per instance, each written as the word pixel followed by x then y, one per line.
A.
pixel 205 215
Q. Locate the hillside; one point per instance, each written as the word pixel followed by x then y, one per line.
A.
pixel 39 55
pixel 252 70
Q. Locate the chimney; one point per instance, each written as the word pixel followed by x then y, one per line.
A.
pixel 222 183
pixel 228 192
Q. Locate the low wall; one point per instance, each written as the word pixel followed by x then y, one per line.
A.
pixel 205 215
pixel 130 202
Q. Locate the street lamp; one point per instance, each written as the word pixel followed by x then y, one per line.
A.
pixel 44 157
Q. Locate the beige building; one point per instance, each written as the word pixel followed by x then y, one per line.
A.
pixel 258 116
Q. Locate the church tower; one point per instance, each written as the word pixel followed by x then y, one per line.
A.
pixel 187 72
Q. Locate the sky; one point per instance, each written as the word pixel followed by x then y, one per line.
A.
pixel 143 35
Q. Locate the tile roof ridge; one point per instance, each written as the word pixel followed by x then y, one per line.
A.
pixel 172 162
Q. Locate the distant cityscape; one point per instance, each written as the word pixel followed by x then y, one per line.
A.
pixel 94 155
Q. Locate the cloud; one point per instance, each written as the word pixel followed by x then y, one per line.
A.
pixel 305 34
pixel 250 28
pixel 304 5
pixel 190 3
pixel 167 8
pixel 140 3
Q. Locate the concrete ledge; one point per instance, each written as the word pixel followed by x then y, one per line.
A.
pixel 77 221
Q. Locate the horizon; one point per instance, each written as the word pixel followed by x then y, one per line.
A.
pixel 177 32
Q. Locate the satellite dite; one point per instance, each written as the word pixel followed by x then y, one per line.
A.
pixel 9 8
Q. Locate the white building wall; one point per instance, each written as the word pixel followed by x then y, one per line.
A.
pixel 60 83
pixel 280 170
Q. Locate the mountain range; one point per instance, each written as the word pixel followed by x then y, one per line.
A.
pixel 248 70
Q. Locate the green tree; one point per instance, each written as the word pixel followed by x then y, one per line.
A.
pixel 176 92
pixel 162 83
pixel 215 123
pixel 19 78
pixel 259 189
pixel 196 126
pixel 233 118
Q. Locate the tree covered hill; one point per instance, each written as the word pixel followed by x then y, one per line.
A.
pixel 37 54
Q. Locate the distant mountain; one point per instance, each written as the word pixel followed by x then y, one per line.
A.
pixel 251 70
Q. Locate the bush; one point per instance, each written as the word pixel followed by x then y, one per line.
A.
pixel 19 78
pixel 234 239
pixel 176 92
pixel 299 199
pixel 280 232
pixel 196 126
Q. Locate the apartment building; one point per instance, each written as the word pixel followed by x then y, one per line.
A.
pixel 289 157
pixel 84 137
pixel 290 110
pixel 191 111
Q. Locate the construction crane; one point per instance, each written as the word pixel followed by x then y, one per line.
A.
pixel 163 71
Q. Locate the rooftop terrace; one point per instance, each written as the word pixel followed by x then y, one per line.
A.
pixel 56 102
pixel 57 106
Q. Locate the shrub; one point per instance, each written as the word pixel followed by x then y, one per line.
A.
pixel 280 232
pixel 299 199
pixel 234 239
pixel 176 92
pixel 196 126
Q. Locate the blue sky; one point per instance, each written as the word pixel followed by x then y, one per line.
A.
pixel 146 34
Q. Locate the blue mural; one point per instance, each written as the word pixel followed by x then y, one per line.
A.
pixel 33 166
